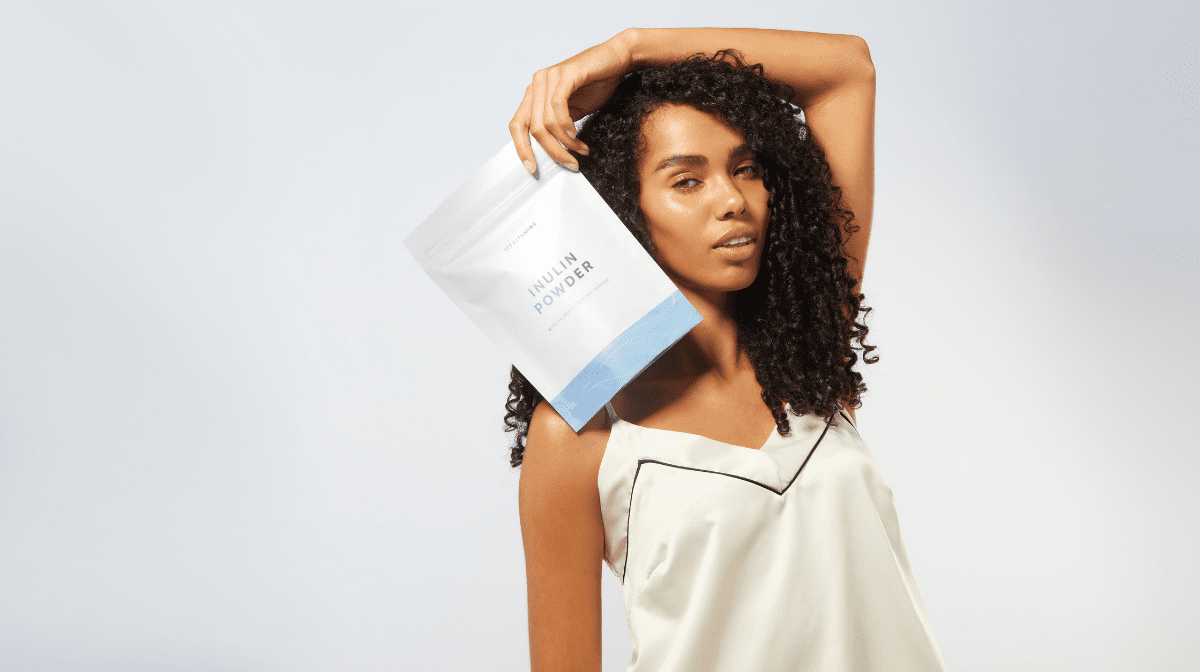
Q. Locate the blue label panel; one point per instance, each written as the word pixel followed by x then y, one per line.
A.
pixel 623 359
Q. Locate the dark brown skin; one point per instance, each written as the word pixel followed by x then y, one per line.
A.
pixel 705 384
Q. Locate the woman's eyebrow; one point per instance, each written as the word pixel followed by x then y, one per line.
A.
pixel 698 160
pixel 688 159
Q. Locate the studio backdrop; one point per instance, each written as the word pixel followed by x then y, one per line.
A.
pixel 240 429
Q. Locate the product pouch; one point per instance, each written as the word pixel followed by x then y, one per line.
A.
pixel 550 274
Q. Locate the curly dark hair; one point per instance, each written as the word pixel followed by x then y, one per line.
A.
pixel 798 319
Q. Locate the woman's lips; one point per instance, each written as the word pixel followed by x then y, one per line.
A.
pixel 738 249
pixel 737 236
pixel 738 242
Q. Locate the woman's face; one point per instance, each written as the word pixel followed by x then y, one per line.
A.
pixel 703 200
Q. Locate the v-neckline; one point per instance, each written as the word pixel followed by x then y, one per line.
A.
pixel 770 438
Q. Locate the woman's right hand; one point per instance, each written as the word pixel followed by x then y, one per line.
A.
pixel 564 93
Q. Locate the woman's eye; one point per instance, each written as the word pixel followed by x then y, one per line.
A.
pixel 752 169
pixel 683 182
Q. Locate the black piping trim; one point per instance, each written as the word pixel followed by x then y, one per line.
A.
pixel 849 420
pixel 629 514
pixel 806 459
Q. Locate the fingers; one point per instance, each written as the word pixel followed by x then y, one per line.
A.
pixel 544 114
pixel 557 102
pixel 519 129
pixel 543 125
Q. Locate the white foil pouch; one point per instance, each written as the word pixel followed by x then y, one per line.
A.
pixel 550 274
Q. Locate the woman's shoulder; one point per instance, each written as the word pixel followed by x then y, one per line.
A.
pixel 560 454
pixel 548 425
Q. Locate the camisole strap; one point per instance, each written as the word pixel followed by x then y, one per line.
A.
pixel 612 415
pixel 841 408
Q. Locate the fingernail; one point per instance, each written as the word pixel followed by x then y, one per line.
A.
pixel 529 166
pixel 571 167
pixel 584 151
pixel 572 134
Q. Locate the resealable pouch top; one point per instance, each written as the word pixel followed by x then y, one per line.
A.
pixel 550 274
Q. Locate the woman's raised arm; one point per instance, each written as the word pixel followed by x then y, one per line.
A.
pixel 834 80
pixel 833 77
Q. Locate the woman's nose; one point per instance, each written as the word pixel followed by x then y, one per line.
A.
pixel 732 201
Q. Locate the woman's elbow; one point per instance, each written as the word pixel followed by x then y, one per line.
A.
pixel 862 57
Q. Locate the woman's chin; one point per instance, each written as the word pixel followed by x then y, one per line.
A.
pixel 730 282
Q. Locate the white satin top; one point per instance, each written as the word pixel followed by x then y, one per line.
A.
pixel 785 558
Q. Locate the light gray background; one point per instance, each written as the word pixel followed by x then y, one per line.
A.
pixel 241 430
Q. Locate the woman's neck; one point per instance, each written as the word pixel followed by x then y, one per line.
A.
pixel 711 348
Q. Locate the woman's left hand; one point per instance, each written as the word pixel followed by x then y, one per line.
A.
pixel 564 93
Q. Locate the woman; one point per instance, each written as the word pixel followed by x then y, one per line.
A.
pixel 735 552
